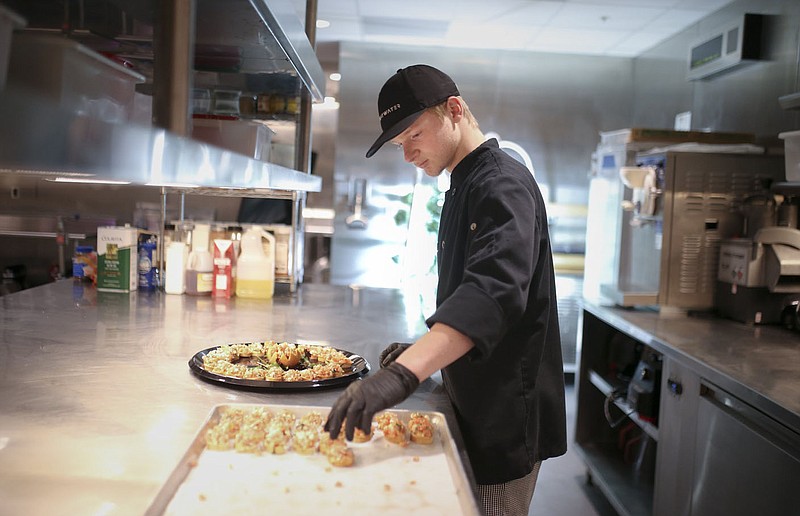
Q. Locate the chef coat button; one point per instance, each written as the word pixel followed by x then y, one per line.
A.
pixel 473 226
pixel 442 244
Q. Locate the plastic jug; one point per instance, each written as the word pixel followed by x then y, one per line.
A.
pixel 255 277
pixel 200 268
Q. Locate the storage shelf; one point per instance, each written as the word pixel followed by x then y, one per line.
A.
pixel 628 492
pixel 606 388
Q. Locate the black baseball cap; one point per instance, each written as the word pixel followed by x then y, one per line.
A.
pixel 406 95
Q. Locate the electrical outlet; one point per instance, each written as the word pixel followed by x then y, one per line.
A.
pixel 16 192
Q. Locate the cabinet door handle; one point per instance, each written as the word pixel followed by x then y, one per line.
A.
pixel 675 387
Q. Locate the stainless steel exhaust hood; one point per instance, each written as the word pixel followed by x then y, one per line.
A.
pixel 41 137
pixel 38 137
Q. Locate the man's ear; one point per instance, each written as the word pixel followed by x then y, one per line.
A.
pixel 455 109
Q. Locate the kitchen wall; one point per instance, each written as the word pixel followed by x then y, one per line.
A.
pixel 744 100
pixel 535 100
pixel 554 106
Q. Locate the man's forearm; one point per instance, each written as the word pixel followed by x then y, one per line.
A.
pixel 438 348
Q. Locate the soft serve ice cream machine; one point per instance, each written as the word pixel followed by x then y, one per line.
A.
pixel 677 208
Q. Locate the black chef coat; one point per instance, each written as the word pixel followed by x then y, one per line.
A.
pixel 497 286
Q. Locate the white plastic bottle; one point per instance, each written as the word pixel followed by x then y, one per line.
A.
pixel 255 275
pixel 177 256
pixel 200 267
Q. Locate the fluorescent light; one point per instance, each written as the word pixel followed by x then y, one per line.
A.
pixel 87 180
pixel 318 213
pixel 328 103
pixel 173 185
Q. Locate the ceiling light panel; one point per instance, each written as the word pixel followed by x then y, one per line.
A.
pixel 406 27
pixel 406 9
pixel 598 17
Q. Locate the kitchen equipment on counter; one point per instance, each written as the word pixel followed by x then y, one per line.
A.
pixel 667 249
pixel 759 277
pixel 618 149
pixel 759 211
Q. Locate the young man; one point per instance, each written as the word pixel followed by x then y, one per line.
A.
pixel 495 331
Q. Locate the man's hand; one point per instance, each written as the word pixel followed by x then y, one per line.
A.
pixel 392 351
pixel 363 398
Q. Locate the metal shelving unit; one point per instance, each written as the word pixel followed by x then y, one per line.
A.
pixel 618 448
pixel 237 42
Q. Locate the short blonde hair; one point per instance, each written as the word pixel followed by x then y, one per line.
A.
pixel 441 111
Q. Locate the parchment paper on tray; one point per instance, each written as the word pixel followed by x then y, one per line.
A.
pixel 385 479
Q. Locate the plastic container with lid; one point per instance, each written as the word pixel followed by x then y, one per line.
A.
pixel 72 75
pixel 251 139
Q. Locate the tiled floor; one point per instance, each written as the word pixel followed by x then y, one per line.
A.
pixel 562 489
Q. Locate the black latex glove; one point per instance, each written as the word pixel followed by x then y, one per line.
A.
pixel 363 398
pixel 392 351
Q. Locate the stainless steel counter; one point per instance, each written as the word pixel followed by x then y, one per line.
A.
pixel 759 364
pixel 97 403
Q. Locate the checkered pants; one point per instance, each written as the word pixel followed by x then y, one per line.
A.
pixel 510 498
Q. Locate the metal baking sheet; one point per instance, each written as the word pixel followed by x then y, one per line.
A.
pixel 360 368
pixel 386 479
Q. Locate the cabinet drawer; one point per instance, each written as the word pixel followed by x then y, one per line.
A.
pixel 745 463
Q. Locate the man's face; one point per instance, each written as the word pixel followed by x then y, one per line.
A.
pixel 429 143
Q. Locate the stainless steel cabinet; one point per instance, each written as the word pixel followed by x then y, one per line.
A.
pixel 711 452
pixel 678 428
pixel 745 463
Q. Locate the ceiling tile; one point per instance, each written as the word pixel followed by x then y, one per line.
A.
pixel 406 9
pixel 554 39
pixel 604 17
pixel 612 27
pixel 471 35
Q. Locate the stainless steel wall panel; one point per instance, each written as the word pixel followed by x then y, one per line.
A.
pixel 745 100
pixel 532 99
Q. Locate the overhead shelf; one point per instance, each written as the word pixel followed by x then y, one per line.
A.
pixel 262 42
pixel 42 139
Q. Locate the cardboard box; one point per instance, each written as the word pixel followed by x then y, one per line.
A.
pixel 640 134
pixel 117 259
